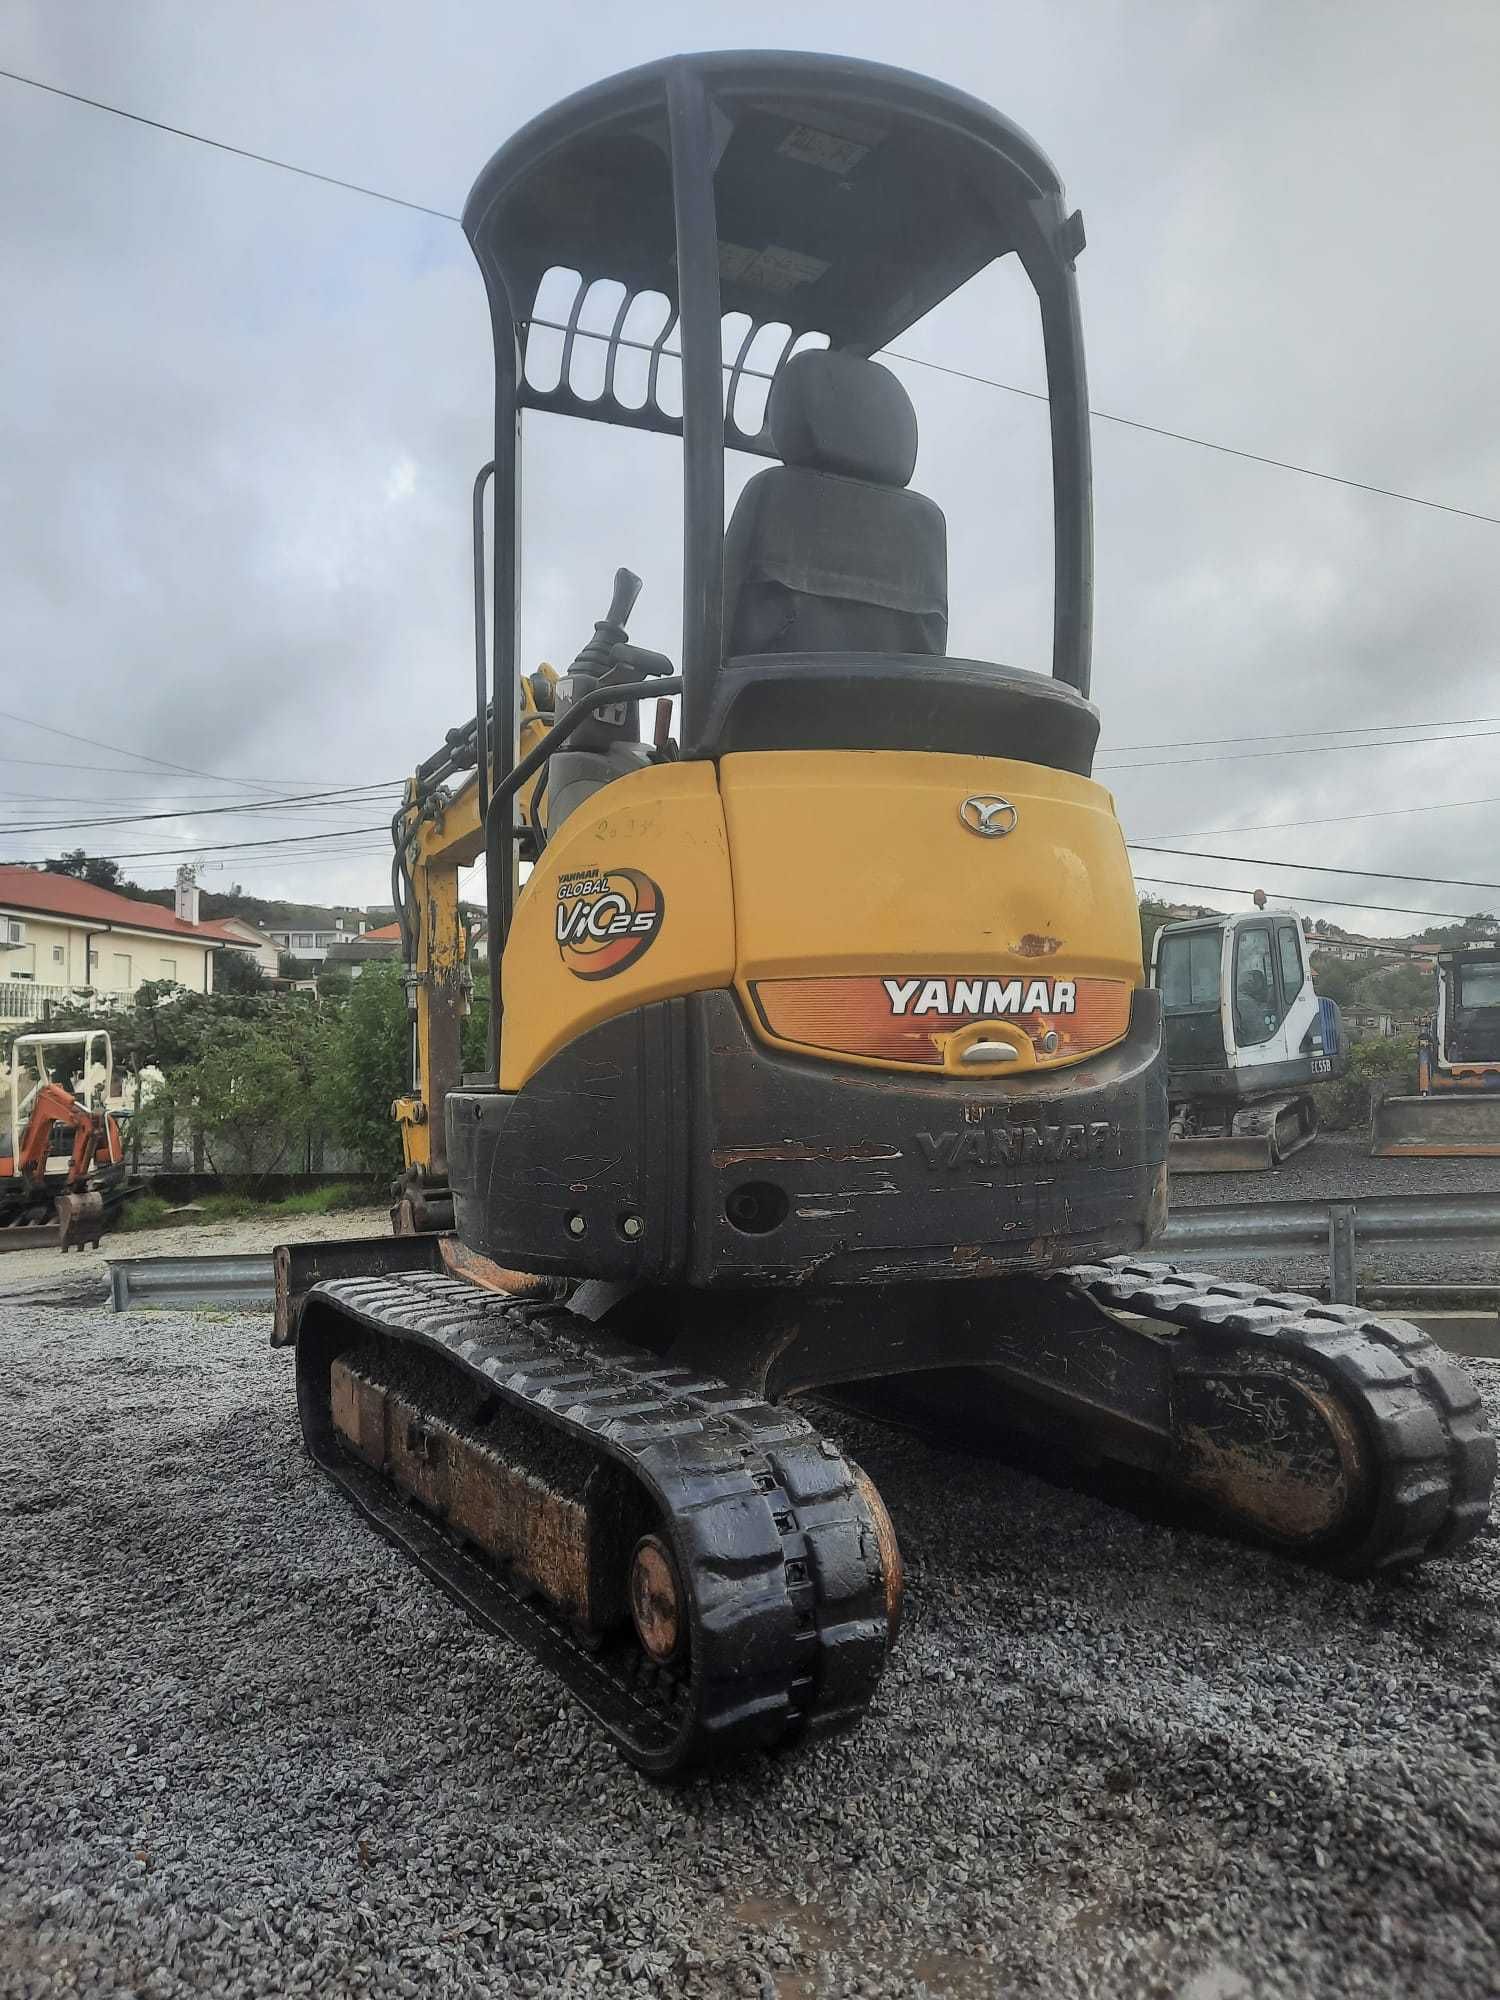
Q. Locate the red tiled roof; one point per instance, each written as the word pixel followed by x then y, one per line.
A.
pixel 67 897
pixel 387 934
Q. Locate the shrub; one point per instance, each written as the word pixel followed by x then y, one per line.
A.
pixel 143 1211
pixel 1378 1068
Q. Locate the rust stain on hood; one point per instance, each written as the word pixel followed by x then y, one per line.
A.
pixel 789 1152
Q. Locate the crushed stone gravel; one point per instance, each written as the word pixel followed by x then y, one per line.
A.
pixel 245 1751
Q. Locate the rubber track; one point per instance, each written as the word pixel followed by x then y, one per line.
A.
pixel 1433 1458
pixel 781 1563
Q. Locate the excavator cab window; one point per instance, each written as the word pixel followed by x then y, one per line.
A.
pixel 1479 986
pixel 1289 944
pixel 1258 1006
pixel 1189 974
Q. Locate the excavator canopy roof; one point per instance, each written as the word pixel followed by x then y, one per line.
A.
pixel 849 198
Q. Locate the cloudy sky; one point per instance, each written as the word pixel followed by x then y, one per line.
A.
pixel 241 412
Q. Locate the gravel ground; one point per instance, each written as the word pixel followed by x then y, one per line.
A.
pixel 1339 1164
pixel 247 1752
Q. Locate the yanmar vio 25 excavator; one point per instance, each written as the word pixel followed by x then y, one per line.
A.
pixel 822 1053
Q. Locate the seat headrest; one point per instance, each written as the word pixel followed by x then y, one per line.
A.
pixel 840 413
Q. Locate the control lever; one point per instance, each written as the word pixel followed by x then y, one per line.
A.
pixel 610 631
pixel 607 657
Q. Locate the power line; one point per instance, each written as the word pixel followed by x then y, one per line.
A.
pixel 116 770
pixel 185 802
pixel 1298 750
pixel 1281 735
pixel 355 794
pixel 1313 867
pixel 1332 819
pixel 1324 902
pixel 942 368
pixel 224 846
pixel 222 146
pixel 281 860
pixel 189 770
pixel 1208 444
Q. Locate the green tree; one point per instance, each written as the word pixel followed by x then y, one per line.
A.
pixel 474 1056
pixel 367 1066
pixel 1478 929
pixel 1337 979
pixel 335 982
pixel 250 1092
pixel 237 972
pixel 1399 989
pixel 95 868
pixel 168 1026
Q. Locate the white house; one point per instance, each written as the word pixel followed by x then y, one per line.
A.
pixel 61 937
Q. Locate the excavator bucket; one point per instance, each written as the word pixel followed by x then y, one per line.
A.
pixel 1457 1125
pixel 80 1220
pixel 1261 1137
pixel 1231 1153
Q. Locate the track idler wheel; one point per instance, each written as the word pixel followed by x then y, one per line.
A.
pixel 1269 1443
pixel 658 1601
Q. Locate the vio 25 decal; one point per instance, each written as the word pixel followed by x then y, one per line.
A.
pixel 606 919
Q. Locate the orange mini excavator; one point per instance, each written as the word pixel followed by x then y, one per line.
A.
pixel 62 1163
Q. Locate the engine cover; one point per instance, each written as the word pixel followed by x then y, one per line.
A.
pixel 669 1145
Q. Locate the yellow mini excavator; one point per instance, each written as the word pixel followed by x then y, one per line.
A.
pixel 822 1056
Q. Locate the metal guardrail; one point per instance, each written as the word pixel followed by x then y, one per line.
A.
pixel 1229 1232
pixel 1265 1231
pixel 248 1280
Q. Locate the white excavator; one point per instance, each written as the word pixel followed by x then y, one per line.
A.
pixel 1246 1035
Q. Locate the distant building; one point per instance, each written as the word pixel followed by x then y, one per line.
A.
pixel 256 944
pixel 311 933
pixel 61 938
pixel 1363 1024
pixel 372 948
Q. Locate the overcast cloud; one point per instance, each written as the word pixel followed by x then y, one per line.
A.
pixel 242 411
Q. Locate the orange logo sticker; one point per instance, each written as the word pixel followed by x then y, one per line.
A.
pixel 606 920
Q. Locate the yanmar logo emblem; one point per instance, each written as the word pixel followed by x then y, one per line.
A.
pixel 985 999
pixel 989 818
pixel 1016 1145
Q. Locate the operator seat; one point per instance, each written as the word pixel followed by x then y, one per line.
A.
pixel 829 552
